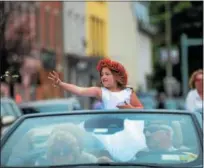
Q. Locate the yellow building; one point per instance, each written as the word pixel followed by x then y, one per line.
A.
pixel 96 28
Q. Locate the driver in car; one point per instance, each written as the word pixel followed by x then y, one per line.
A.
pixel 158 138
pixel 62 149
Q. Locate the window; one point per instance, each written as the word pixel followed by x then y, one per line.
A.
pixel 48 59
pixel 47 27
pixel 38 24
pixel 92 34
pixel 97 32
pixel 7 6
pixel 57 29
pixel 141 11
pixel 73 76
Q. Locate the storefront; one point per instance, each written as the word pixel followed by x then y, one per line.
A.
pixel 45 89
pixel 81 70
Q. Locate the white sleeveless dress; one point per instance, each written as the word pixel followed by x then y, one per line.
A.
pixel 112 99
pixel 123 145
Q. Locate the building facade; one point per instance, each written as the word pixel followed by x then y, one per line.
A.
pixel 145 32
pixel 122 38
pixel 97 28
pixel 19 45
pixel 50 43
pixel 85 33
pixel 129 42
pixel 74 27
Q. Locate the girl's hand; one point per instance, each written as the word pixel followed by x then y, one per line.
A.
pixel 128 106
pixel 54 77
pixel 125 106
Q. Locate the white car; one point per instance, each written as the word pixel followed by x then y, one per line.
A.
pixel 9 112
pixel 50 106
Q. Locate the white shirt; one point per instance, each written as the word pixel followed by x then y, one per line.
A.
pixel 123 145
pixel 112 99
pixel 194 101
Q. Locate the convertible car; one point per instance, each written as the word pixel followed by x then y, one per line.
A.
pixel 113 138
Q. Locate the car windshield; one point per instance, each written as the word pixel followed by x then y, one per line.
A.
pixel 153 138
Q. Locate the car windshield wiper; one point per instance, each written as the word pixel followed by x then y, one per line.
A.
pixel 146 165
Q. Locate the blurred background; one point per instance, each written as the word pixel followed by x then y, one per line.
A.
pixel 160 44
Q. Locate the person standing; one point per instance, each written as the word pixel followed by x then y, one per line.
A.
pixel 194 99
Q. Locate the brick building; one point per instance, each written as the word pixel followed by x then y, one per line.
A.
pixel 49 42
pixel 19 47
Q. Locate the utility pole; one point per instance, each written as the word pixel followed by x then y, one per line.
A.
pixel 169 75
pixel 168 38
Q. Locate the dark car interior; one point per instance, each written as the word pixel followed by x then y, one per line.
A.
pixel 29 110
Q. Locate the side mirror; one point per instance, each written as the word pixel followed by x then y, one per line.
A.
pixel 7 120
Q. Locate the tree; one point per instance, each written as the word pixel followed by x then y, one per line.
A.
pixel 161 14
pixel 158 12
pixel 17 33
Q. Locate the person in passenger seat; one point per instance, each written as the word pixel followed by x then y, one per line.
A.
pixel 63 148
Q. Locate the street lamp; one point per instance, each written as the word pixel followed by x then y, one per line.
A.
pixel 170 83
pixel 10 79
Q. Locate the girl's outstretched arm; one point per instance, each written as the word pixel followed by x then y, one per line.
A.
pixel 80 91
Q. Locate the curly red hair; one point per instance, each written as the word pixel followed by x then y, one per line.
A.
pixel 116 68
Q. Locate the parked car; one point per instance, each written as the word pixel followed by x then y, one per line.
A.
pixel 51 105
pixel 122 138
pixel 9 113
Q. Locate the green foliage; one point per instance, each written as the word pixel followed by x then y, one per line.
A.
pixel 181 6
pixel 157 15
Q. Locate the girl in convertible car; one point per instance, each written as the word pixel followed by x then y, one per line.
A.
pixel 114 92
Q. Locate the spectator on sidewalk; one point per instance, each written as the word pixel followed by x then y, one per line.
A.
pixel 161 101
pixel 194 99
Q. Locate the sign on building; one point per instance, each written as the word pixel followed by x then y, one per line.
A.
pixel 48 59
